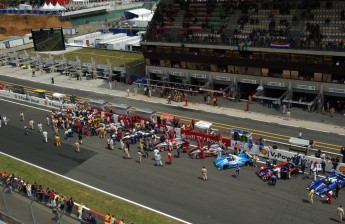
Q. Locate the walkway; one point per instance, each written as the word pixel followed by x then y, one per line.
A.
pixel 299 118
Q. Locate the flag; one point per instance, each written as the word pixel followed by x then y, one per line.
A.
pixel 280 44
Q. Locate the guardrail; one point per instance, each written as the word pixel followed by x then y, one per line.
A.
pixel 305 148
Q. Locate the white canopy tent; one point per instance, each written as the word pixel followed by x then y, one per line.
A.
pixel 59 7
pixel 45 6
pixel 50 6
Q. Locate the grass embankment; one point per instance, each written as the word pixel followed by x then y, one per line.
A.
pixel 116 58
pixel 91 198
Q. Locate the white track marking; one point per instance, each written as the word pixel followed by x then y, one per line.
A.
pixel 99 190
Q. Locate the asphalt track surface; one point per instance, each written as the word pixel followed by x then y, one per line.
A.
pixel 277 132
pixel 174 189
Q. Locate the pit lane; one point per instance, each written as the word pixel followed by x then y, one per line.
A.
pixel 281 133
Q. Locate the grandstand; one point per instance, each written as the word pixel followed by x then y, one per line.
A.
pixel 293 50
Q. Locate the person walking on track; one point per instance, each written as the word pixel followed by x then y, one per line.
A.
pixel 340 213
pixel 21 116
pixel 311 196
pixel 204 173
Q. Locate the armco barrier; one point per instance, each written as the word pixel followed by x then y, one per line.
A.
pixel 283 155
pixel 36 100
pixel 33 12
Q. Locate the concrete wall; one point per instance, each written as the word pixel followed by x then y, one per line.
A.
pixel 9 220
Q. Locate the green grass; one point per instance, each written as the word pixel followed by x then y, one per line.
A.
pixel 91 198
pixel 116 58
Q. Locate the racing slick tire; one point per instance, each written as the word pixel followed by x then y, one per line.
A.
pixel 225 167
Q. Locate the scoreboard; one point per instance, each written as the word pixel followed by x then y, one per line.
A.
pixel 48 39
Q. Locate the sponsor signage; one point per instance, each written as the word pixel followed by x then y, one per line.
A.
pixel 78 41
pixel 5 93
pixel 280 84
pixel 87 64
pixel 119 69
pixel 180 74
pixel 36 100
pixel 306 87
pixel 250 81
pixel 102 66
pixel 157 71
pixel 334 90
pixel 73 63
pixel 222 78
pixel 198 76
pixel 282 155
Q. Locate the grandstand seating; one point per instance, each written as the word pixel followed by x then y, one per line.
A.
pixel 299 22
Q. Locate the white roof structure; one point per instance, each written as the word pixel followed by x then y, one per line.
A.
pixel 59 7
pixel 45 6
pixel 50 6
pixel 141 12
pixel 144 16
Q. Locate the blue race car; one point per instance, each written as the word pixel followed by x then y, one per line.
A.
pixel 322 186
pixel 223 163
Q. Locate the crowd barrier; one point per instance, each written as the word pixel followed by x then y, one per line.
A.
pixel 283 155
pixel 36 100
pixel 10 208
pixel 32 12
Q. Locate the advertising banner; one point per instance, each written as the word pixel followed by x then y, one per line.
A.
pixel 36 100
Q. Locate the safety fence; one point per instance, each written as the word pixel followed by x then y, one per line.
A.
pixel 17 205
pixel 18 209
pixel 30 12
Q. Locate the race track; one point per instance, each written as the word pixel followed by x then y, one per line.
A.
pixel 176 189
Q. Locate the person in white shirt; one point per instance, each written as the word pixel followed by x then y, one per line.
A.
pixel 4 118
pixel 39 125
pixel 159 160
pixel 156 152
pixel 45 136
pixel 66 134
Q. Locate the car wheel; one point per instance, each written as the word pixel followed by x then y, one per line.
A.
pixel 246 163
pixel 225 167
pixel 197 157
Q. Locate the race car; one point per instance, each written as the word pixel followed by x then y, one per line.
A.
pixel 109 128
pixel 223 163
pixel 163 146
pixel 323 185
pixel 195 152
pixel 265 172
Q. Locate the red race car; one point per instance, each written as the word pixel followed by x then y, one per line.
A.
pixel 213 150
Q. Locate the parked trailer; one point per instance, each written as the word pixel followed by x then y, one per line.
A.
pixel 27 38
pixel 121 44
pixel 110 37
pixel 69 31
pixel 120 109
pixel 14 42
pixel 145 114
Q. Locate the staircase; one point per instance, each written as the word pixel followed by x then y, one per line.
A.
pixel 137 69
pixel 178 23
pixel 232 24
